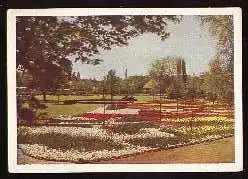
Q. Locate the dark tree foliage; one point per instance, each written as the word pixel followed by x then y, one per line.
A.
pixel 50 39
pixel 45 44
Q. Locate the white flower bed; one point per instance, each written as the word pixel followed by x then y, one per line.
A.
pixel 73 131
pixel 144 133
pixel 70 118
pixel 41 151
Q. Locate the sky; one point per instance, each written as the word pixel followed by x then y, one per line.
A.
pixel 188 39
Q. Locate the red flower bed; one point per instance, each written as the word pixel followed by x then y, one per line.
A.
pixel 149 114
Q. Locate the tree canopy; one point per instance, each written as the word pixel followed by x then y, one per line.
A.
pixel 46 44
pixel 219 81
pixel 221 27
pixel 168 72
pixel 52 39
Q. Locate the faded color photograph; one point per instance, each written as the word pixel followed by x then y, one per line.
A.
pixel 122 89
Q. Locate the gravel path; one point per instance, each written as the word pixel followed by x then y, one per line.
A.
pixel 118 111
pixel 219 151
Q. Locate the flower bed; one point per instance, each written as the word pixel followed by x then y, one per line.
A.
pixel 138 128
pixel 131 136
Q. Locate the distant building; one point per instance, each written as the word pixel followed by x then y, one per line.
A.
pixel 149 87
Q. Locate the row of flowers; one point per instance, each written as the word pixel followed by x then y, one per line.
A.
pixel 143 140
pixel 71 155
pixel 202 119
pixel 152 114
pixel 200 130
pixel 100 133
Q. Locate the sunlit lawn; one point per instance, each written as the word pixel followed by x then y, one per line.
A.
pixel 140 98
pixel 69 97
pixel 144 98
pixel 55 110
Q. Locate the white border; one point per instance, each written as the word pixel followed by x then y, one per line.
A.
pixel 64 168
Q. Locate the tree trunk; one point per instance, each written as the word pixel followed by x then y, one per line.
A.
pixel 153 94
pixel 44 95
pixel 103 96
pixel 177 109
pixel 160 100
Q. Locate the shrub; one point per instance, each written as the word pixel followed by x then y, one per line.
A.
pixel 70 102
pixel 26 114
pixel 129 98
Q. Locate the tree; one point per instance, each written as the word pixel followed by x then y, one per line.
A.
pixel 221 68
pixel 134 84
pixel 38 53
pixel 168 71
pixel 45 41
pixel 112 83
pixel 211 86
pixel 221 27
pixel 218 84
pixel 78 75
pixel 194 87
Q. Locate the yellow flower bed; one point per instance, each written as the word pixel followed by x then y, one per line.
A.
pixel 195 131
pixel 201 119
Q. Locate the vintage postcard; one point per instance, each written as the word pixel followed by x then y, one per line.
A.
pixel 125 90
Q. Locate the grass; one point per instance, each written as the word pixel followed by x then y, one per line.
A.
pixel 75 97
pixel 144 98
pixel 140 98
pixel 55 110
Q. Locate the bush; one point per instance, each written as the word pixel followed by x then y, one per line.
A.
pixel 129 98
pixel 26 114
pixel 70 102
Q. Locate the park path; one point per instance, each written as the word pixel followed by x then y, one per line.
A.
pixel 118 111
pixel 219 151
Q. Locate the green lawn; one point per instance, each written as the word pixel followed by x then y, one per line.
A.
pixel 69 97
pixel 55 110
pixel 76 109
pixel 140 98
pixel 144 98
